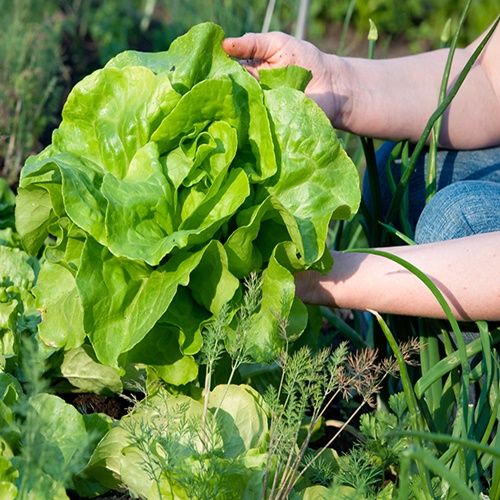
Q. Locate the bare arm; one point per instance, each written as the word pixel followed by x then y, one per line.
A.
pixel 391 98
pixel 394 98
pixel 465 270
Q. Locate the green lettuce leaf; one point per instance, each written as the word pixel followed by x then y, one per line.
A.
pixel 309 185
pixel 111 114
pixel 171 426
pixel 82 371
pixel 291 76
pixel 61 310
pixel 241 416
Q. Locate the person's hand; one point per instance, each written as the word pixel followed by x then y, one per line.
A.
pixel 275 50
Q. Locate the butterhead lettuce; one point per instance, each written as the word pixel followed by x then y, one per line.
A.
pixel 170 179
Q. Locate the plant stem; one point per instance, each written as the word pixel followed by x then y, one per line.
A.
pixel 345 27
pixel 430 181
pixel 206 395
pixel 301 28
pixel 269 15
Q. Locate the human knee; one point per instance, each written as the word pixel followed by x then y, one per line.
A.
pixel 458 210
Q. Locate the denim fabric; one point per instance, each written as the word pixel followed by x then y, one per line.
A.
pixel 452 167
pixel 460 209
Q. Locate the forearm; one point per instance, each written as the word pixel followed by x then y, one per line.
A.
pixel 394 98
pixel 465 270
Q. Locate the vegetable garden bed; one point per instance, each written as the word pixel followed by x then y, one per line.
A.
pixel 160 232
pixel 151 343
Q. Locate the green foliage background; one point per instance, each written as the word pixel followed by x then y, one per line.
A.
pixel 421 21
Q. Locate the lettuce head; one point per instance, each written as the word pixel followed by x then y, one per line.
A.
pixel 170 179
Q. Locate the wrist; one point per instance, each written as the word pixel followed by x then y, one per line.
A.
pixel 307 287
pixel 313 287
pixel 339 76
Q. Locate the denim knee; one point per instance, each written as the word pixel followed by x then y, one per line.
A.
pixel 451 167
pixel 460 209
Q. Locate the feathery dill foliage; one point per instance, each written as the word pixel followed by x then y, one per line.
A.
pixel 321 471
pixel 237 347
pixel 173 446
pixel 168 434
pixel 360 471
pixel 213 347
pixel 309 384
pixel 181 440
pixel 213 339
pixel 216 338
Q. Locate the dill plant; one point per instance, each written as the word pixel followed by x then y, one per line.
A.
pixel 360 472
pixel 216 338
pixel 179 456
pixel 321 470
pixel 309 385
pixel 208 445
pixel 374 458
pixel 166 429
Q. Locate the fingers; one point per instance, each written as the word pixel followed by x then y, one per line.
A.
pixel 251 49
pixel 254 45
pixel 257 51
pixel 245 47
pixel 253 66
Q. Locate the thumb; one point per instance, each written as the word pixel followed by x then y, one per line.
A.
pixel 248 46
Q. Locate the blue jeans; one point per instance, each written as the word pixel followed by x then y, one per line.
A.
pixel 460 209
pixel 468 193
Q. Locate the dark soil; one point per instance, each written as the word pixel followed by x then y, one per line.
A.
pixel 107 496
pixel 115 407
